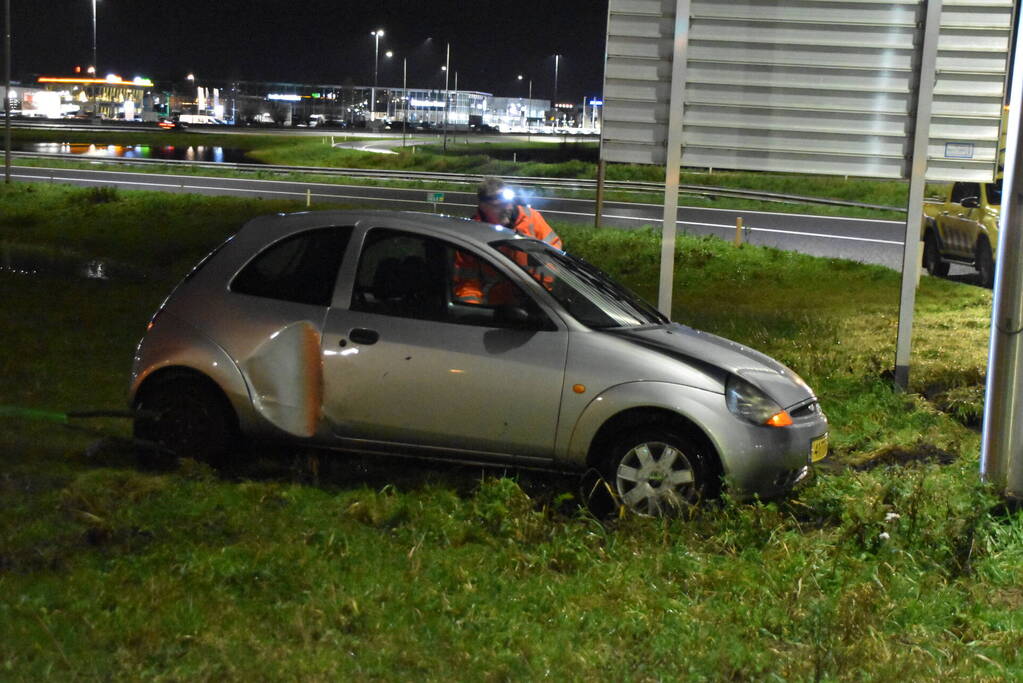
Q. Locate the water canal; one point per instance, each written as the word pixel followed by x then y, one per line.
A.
pixel 207 153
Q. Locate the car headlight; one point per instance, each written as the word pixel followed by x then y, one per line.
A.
pixel 749 403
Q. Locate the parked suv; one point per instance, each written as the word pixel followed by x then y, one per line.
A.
pixel 962 227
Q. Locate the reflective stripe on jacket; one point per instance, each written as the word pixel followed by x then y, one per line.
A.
pixel 531 224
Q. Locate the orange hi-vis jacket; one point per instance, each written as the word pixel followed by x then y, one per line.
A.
pixel 477 283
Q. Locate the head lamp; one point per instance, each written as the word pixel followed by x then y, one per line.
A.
pixel 503 195
pixel 746 401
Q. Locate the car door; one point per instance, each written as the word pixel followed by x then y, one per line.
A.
pixel 959 225
pixel 404 363
pixel 272 325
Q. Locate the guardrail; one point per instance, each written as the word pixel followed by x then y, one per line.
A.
pixel 571 184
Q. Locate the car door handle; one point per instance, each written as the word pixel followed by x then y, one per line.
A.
pixel 361 335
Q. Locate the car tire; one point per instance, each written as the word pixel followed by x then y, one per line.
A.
pixel 654 471
pixel 182 417
pixel 932 256
pixel 984 263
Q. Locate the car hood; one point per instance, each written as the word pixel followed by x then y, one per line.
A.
pixel 695 347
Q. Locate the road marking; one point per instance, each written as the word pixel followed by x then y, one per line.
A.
pixel 648 220
pixel 560 199
pixel 655 221
pixel 182 186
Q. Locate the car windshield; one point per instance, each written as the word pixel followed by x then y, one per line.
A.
pixel 994 193
pixel 590 296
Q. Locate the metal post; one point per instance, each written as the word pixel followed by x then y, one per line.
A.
pixel 404 95
pixel 557 58
pixel 599 209
pixel 673 163
pixel 529 104
pixel 1001 458
pixel 95 63
pixel 921 138
pixel 447 94
pixel 7 91
pixel 376 69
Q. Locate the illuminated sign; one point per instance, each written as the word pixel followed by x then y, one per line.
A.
pixel 109 80
pixel 427 103
pixel 596 103
pixel 284 98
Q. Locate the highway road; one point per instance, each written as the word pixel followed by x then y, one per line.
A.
pixel 865 240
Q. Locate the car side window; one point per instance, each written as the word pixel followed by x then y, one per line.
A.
pixel 994 193
pixel 961 191
pixel 415 276
pixel 399 274
pixel 301 268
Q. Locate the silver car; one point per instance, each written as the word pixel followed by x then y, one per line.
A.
pixel 350 331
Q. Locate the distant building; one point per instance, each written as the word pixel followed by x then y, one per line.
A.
pixel 359 106
pixel 109 98
pixel 293 104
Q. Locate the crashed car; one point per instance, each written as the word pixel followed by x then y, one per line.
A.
pixel 341 330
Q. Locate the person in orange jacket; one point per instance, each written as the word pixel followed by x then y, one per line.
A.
pixel 476 283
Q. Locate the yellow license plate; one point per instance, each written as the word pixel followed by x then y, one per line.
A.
pixel 819 448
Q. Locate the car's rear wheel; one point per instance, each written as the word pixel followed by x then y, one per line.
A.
pixel 932 257
pixel 655 471
pixel 984 263
pixel 182 417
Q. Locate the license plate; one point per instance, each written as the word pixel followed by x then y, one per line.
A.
pixel 819 448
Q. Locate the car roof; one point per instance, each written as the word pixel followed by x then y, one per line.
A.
pixel 265 229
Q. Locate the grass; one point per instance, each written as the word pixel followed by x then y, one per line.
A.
pixel 890 565
pixel 540 159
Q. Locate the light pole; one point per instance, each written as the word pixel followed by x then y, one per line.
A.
pixel 95 65
pixel 529 101
pixel 7 92
pixel 377 35
pixel 387 110
pixel 447 94
pixel 557 59
pixel 404 98
pixel 529 98
pixel 191 80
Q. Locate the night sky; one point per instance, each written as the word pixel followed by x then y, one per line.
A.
pixel 322 41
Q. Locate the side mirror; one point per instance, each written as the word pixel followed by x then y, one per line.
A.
pixel 522 318
pixel 970 202
pixel 514 316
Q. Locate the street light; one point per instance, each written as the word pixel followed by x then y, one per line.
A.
pixel 377 35
pixel 447 94
pixel 95 64
pixel 529 97
pixel 387 109
pixel 191 80
pixel 529 100
pixel 7 92
pixel 404 99
pixel 557 58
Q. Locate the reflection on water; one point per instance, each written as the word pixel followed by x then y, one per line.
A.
pixel 180 153
pixel 29 260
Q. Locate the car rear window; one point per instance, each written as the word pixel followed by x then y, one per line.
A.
pixel 301 268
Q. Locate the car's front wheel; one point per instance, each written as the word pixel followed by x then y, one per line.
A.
pixel 183 418
pixel 655 471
